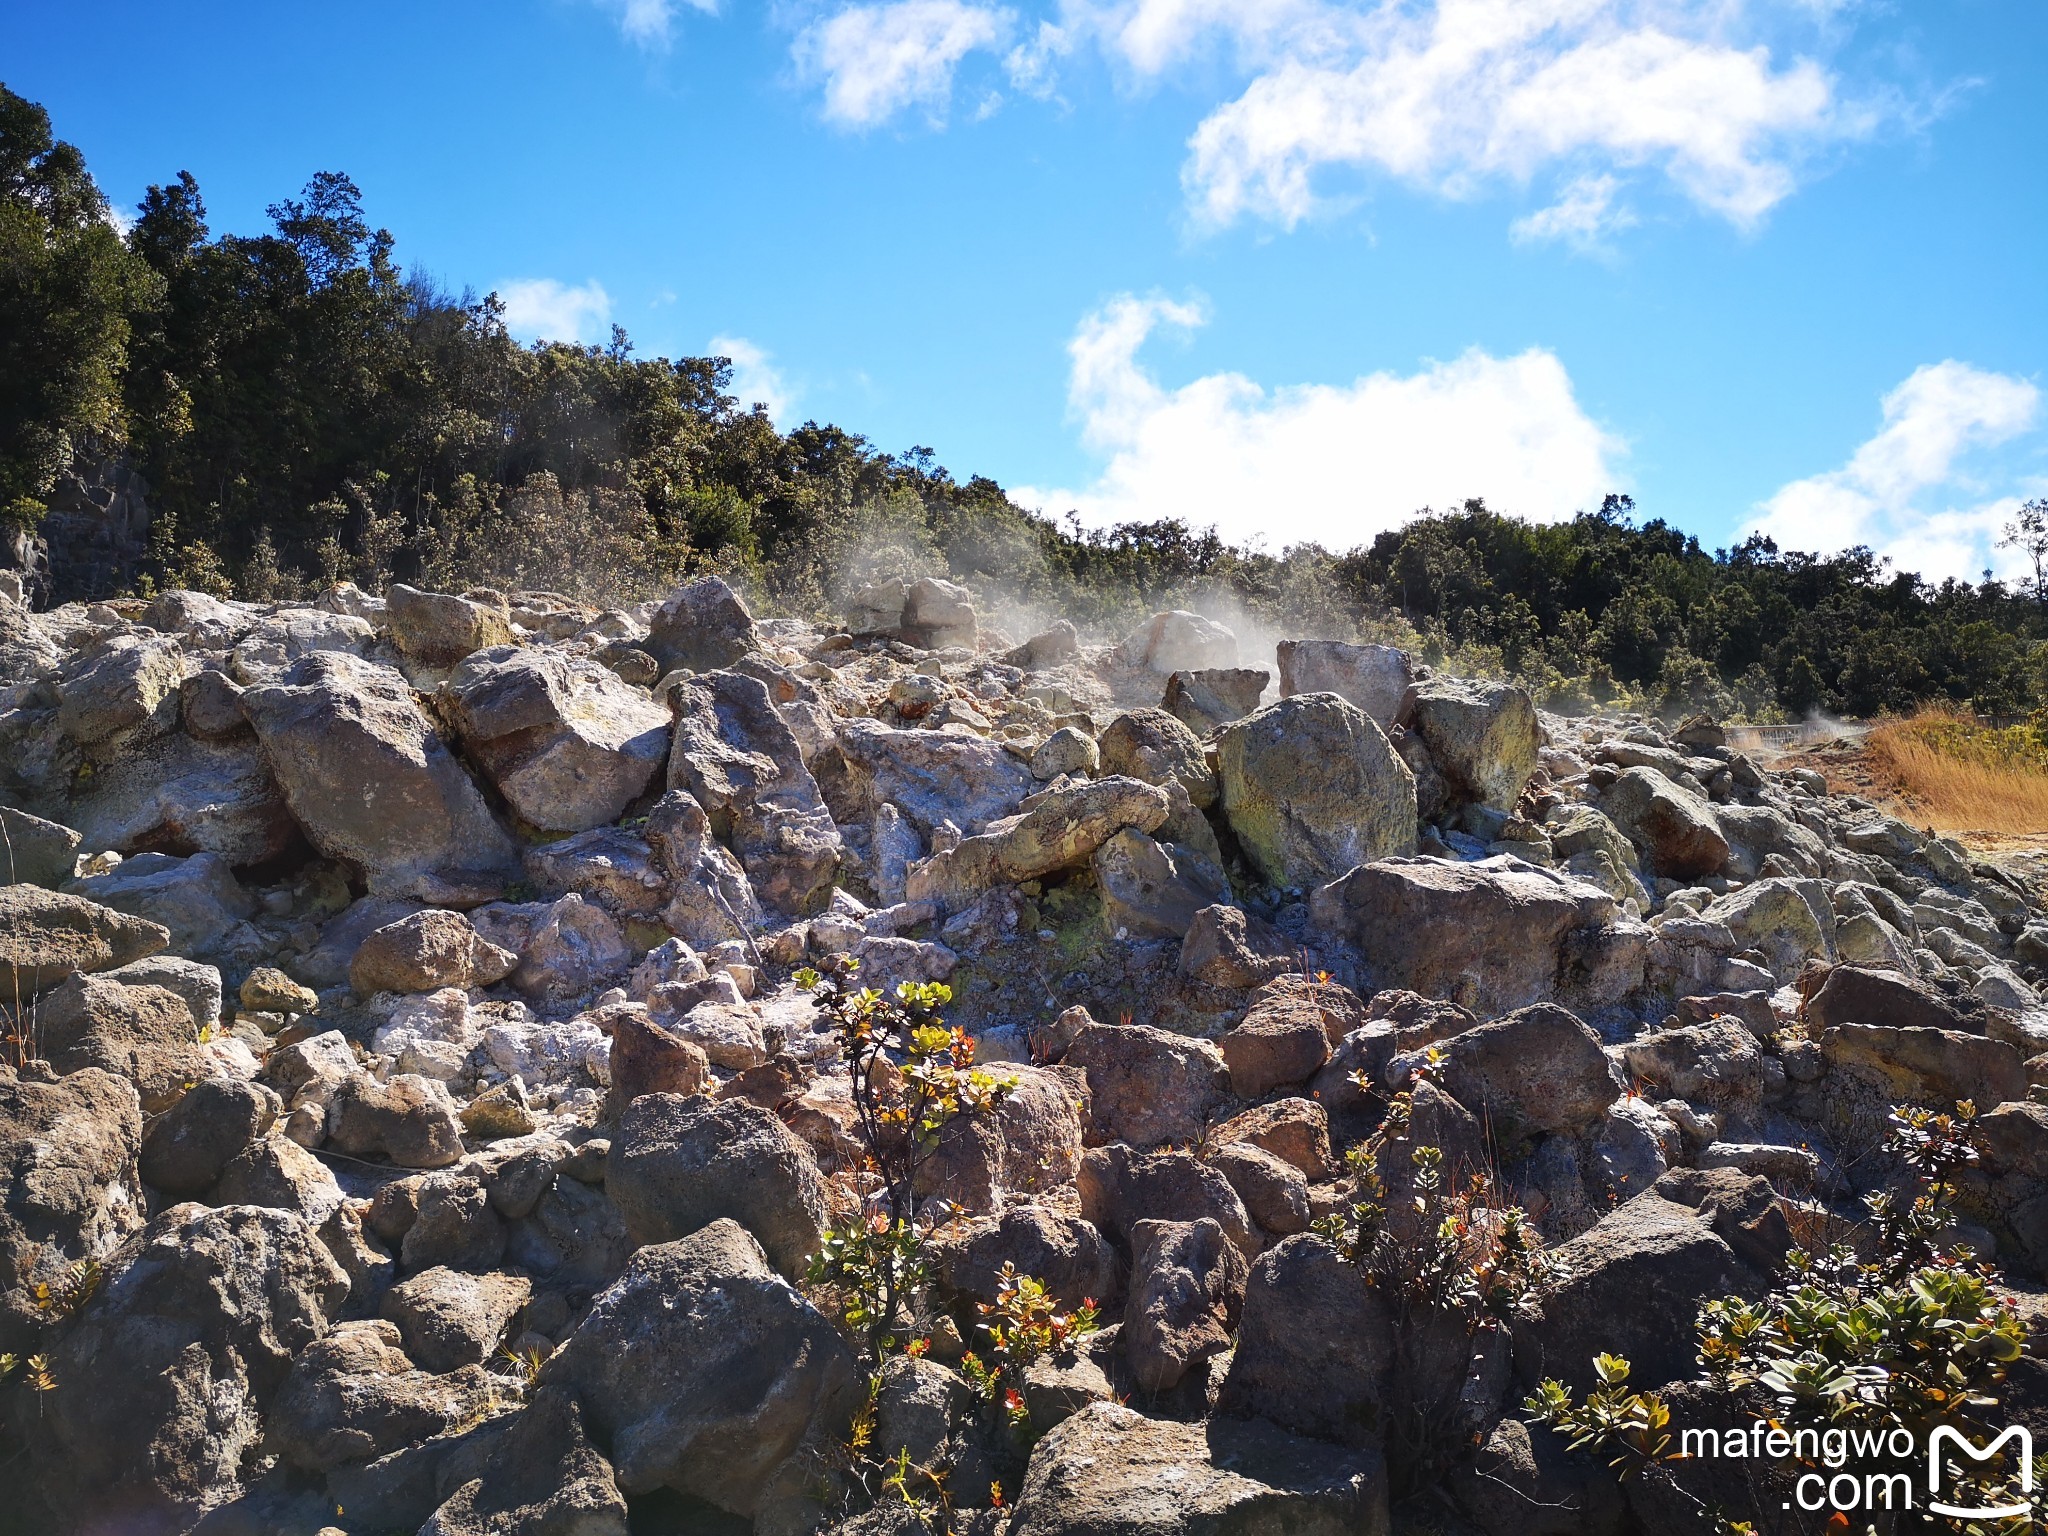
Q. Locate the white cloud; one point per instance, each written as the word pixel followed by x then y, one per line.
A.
pixel 755 378
pixel 1899 492
pixel 542 309
pixel 1463 93
pixel 875 60
pixel 1331 463
pixel 651 23
pixel 1584 211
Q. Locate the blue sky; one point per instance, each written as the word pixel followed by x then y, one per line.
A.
pixel 1292 267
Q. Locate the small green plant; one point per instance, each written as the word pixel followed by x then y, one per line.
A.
pixel 1024 1324
pixel 1635 1427
pixel 60 1302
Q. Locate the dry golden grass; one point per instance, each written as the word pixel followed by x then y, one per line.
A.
pixel 1957 776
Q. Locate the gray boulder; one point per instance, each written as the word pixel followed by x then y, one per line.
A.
pixel 1538 1070
pixel 702 626
pixel 543 1477
pixel 1483 737
pixel 34 851
pixel 1187 1283
pixel 1675 829
pixel 1374 677
pixel 46 936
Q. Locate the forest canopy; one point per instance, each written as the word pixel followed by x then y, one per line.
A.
pixel 306 410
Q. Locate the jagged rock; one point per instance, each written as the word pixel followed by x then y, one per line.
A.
pixel 1120 1188
pixel 1297 1131
pixel 268 990
pixel 1525 1481
pixel 439 628
pixel 543 1477
pixel 678 1164
pixel 1281 1041
pixel 702 626
pixel 1717 1064
pixel 1152 890
pixel 1060 832
pixel 939 613
pixel 1148 1087
pixel 1632 1286
pixel 1187 1283
pixel 1030 1144
pixel 1226 946
pixel 409 1120
pixel 704 1370
pixel 1315 1345
pixel 1373 677
pixel 181 796
pixel 1539 1069
pixel 1312 789
pixel 933 777
pixel 710 900
pixel 34 851
pixel 188 1146
pixel 1494 935
pixel 1047 648
pixel 1675 830
pixel 1483 737
pixel 500 1112
pixel 273 644
pixel 167 1373
pixel 1152 745
pixel 450 1319
pixel 372 782
pixel 1207 700
pixel 454 1224
pixel 145 1034
pixel 197 899
pixel 1933 1067
pixel 1178 641
pixel 68 1186
pixel 1107 1471
pixel 1853 994
pixel 46 936
pixel 206 621
pixel 1788 921
pixel 729 1034
pixel 354 1396
pixel 650 1057
pixel 734 753
pixel 424 952
pixel 1068 1255
pixel 1273 1190
pixel 281 1175
pixel 567 744
pixel 119 685
pixel 1067 750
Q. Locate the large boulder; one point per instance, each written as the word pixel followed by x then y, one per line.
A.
pixel 737 756
pixel 34 851
pixel 1177 641
pixel 68 1186
pixel 1716 1063
pixel 46 936
pixel 933 777
pixel 179 795
pixel 411 1120
pixel 438 629
pixel 1932 1067
pixel 1120 1188
pixel 165 1376
pixel 1374 677
pixel 1207 700
pixel 1108 1471
pixel 424 952
pixel 1028 1145
pixel 1631 1286
pixel 1483 737
pixel 1060 832
pixel 1148 1087
pixel 702 626
pixel 1187 1283
pixel 543 1477
pixel 1788 921
pixel 1152 745
pixel 119 685
pixel 678 1164
pixel 1538 1070
pixel 1315 1345
pixel 1496 935
pixel 355 1395
pixel 1065 1253
pixel 210 1125
pixel 710 900
pixel 568 745
pixel 144 1033
pixel 703 1370
pixel 371 781
pixel 1312 789
pixel 1152 889
pixel 450 1319
pixel 1676 830
pixel 198 899
pixel 1853 994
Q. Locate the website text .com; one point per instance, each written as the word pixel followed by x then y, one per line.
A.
pixel 1847 1486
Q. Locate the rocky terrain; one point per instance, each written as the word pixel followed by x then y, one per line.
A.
pixel 418 1115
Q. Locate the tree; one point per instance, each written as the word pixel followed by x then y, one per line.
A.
pixel 2028 533
pixel 68 290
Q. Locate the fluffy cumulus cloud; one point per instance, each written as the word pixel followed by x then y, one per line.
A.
pixel 1332 463
pixel 755 378
pixel 875 61
pixel 1919 491
pixel 1589 98
pixel 651 23
pixel 542 309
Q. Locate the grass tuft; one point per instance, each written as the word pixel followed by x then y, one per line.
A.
pixel 1958 776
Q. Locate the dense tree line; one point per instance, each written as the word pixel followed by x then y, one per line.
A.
pixel 306 410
